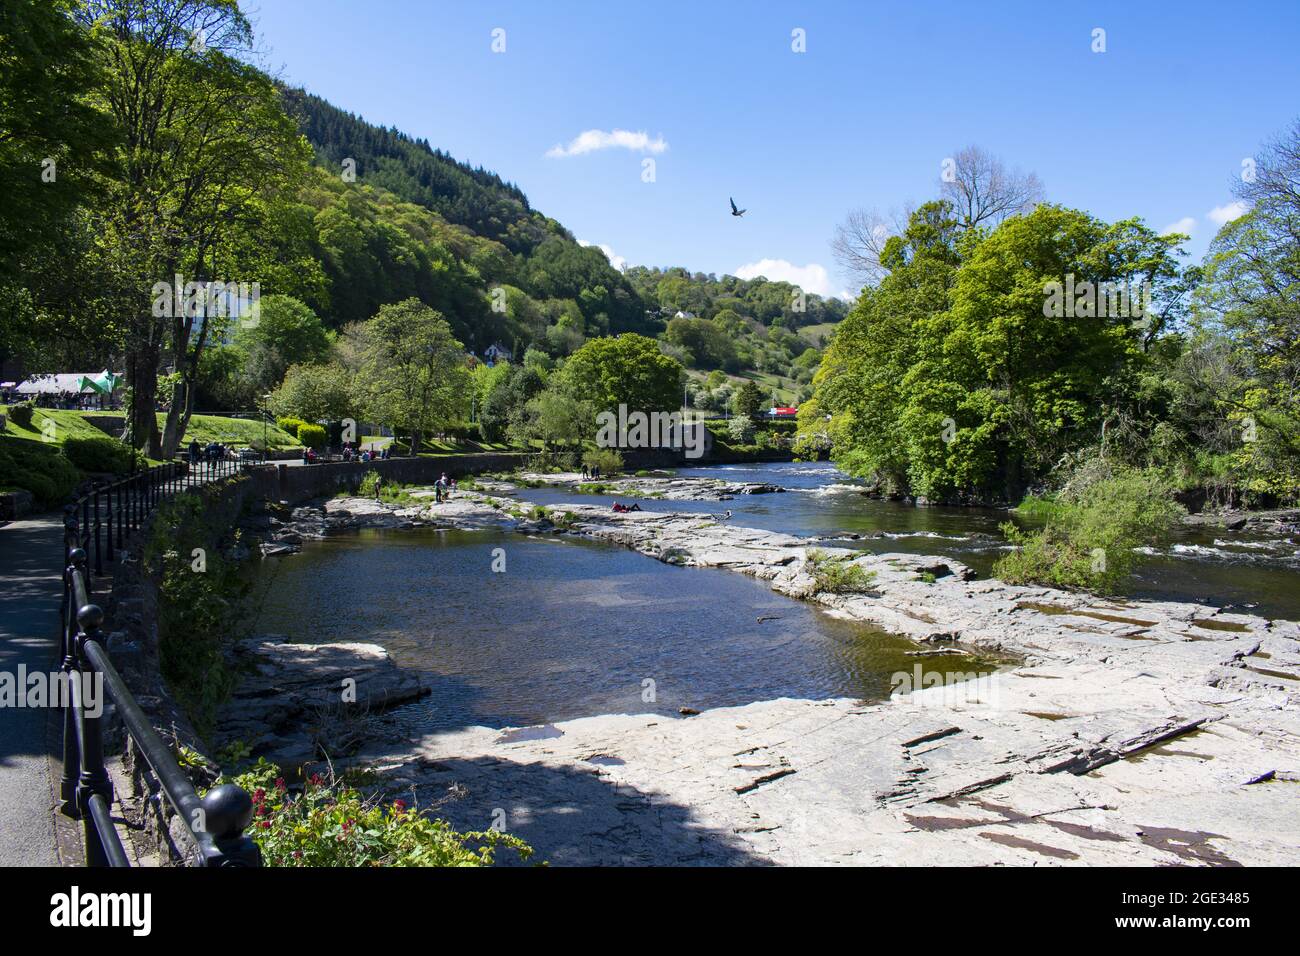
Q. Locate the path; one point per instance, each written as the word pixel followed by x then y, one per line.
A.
pixel 29 629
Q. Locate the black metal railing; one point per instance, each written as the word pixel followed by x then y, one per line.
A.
pixel 100 524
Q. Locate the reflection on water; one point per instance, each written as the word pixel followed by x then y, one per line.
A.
pixel 575 628
pixel 571 628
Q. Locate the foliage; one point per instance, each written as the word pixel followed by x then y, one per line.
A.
pixel 837 574
pixel 290 425
pixel 331 823
pixel 103 455
pixel 608 460
pixel 200 610
pixel 21 414
pixel 413 374
pixel 1092 529
pixel 748 401
pixel 312 435
pixel 949 379
pixel 624 370
pixel 39 468
pixel 740 430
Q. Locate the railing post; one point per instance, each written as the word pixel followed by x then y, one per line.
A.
pixel 227 811
pixel 99 553
pixel 108 507
pixel 68 667
pixel 94 777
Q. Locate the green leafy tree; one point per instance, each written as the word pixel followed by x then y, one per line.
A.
pixel 286 333
pixel 412 372
pixel 205 152
pixel 626 370
pixel 312 393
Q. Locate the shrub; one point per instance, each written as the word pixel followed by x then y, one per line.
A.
pixel 290 425
pixel 22 414
pixel 608 460
pixel 1092 530
pixel 39 468
pixel 837 575
pixel 103 455
pixel 313 435
pixel 740 430
pixel 330 823
pixel 200 612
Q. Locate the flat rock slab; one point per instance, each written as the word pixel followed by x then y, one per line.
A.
pixel 290 697
pixel 1133 733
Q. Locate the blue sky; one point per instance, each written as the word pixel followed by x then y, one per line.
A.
pixel 1156 126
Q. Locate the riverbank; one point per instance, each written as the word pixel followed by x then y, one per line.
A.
pixel 1138 733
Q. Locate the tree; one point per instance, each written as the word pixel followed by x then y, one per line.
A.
pixel 748 401
pixel 314 393
pixel 554 418
pixel 983 190
pixel 413 373
pixel 949 379
pixel 627 370
pixel 53 140
pixel 1248 313
pixel 287 332
pixel 206 150
pixel 54 155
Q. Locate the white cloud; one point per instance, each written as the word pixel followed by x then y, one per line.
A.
pixel 1186 226
pixel 592 140
pixel 618 262
pixel 1222 215
pixel 810 278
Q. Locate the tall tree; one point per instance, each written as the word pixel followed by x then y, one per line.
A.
pixel 206 151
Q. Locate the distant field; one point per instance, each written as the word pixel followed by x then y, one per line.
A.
pixel 813 334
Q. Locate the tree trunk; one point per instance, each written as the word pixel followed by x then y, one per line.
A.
pixel 415 443
pixel 178 419
pixel 142 376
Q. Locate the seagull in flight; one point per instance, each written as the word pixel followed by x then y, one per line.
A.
pixel 734 210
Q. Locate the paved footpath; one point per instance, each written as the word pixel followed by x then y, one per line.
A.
pixel 29 631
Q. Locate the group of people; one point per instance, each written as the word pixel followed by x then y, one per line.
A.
pixel 212 451
pixel 591 473
pixel 443 487
pixel 350 453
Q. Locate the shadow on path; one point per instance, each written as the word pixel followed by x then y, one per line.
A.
pixel 29 630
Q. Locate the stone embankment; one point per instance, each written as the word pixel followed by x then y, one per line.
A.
pixel 1148 733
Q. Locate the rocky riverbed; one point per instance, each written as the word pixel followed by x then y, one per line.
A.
pixel 1130 733
pixel 660 487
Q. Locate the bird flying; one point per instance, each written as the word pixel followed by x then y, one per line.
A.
pixel 734 210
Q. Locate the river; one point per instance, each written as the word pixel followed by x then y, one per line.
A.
pixel 572 628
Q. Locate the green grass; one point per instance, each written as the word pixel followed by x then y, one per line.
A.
pixel 235 431
pixel 53 426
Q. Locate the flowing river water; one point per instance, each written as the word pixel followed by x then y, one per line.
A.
pixel 574 628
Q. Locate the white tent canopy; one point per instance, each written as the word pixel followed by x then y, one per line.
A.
pixel 63 383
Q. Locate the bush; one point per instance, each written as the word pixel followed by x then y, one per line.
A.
pixel 332 824
pixel 290 425
pixel 740 430
pixel 21 415
pixel 313 435
pixel 1092 531
pixel 39 468
pixel 837 575
pixel 201 611
pixel 608 460
pixel 102 455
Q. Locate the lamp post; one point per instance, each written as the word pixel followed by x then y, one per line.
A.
pixel 265 425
